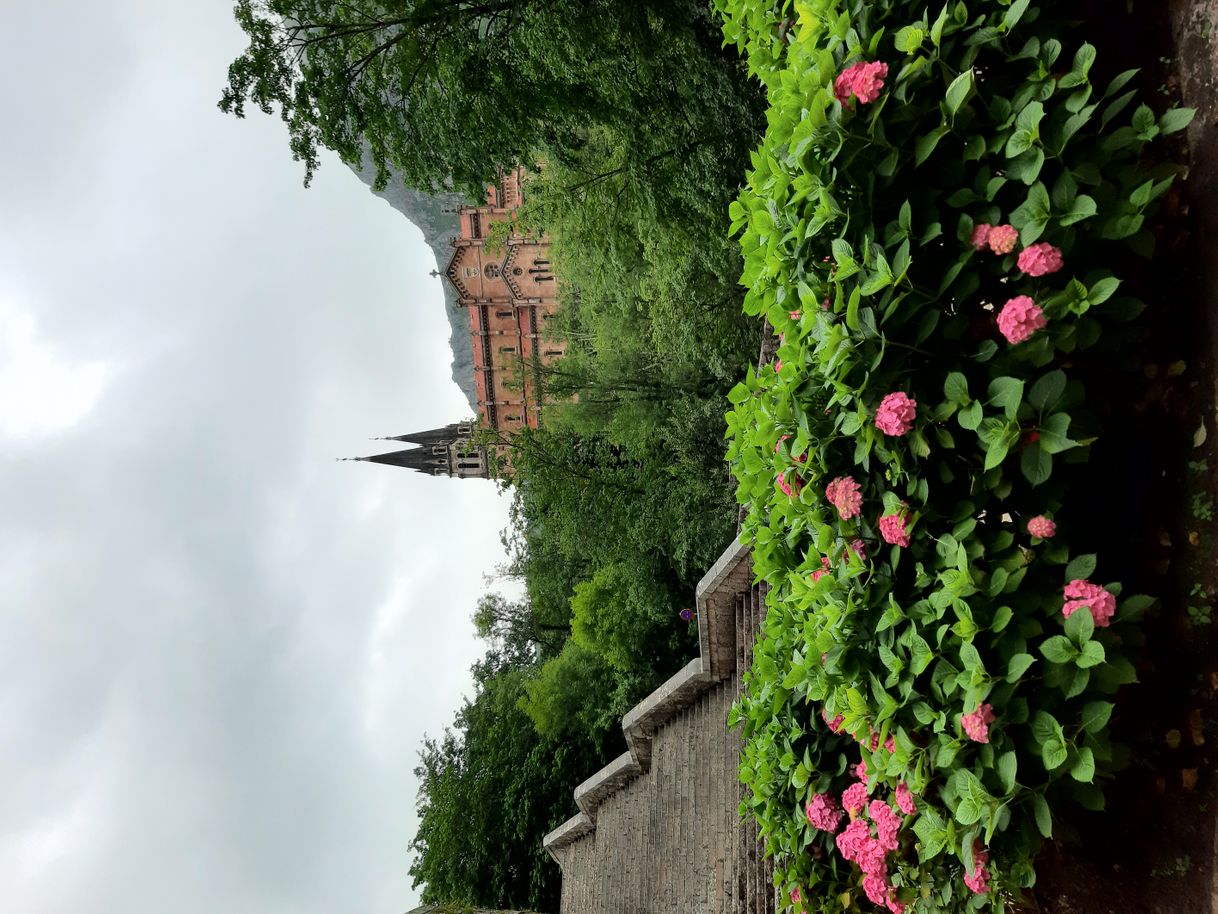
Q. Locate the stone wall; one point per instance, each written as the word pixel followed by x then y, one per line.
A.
pixel 658 829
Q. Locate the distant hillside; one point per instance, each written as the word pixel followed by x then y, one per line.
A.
pixel 438 228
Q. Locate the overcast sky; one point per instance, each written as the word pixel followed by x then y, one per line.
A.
pixel 219 648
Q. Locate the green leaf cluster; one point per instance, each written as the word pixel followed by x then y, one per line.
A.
pixel 857 227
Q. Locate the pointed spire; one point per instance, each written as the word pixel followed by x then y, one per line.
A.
pixel 433 451
pixel 444 435
pixel 415 458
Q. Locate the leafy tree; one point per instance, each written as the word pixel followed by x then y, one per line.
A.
pixel 628 620
pixel 489 790
pixel 452 90
pixel 572 697
pixel 418 83
pixel 517 629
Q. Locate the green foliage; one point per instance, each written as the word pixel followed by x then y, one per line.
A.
pixel 467 848
pixel 449 91
pixel 560 699
pixel 856 228
pixel 648 285
pixel 636 216
pixel 518 630
pixel 620 582
pixel 617 615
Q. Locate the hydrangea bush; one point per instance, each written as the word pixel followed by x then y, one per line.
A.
pixel 929 225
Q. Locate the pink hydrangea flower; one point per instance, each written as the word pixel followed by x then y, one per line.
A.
pixel 1040 259
pixel 895 905
pixel 979 880
pixel 1081 594
pixel 1042 527
pixel 794 315
pixel 1002 239
pixel 876 887
pixel 796 898
pixel 823 812
pixel 851 840
pixel 862 80
pixel 777 365
pixel 981 235
pixel 892 528
pixel 905 799
pixel 854 797
pixel 873 742
pixel 834 725
pixel 871 859
pixel 896 414
pixel 790 489
pixel 977 723
pixel 823 570
pixel 1020 318
pixel 856 845
pixel 860 770
pixel 887 824
pixel 859 548
pixel 845 495
pixel 843 86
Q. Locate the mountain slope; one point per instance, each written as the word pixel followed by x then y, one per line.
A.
pixel 433 217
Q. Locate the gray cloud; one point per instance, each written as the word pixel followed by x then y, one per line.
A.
pixel 221 648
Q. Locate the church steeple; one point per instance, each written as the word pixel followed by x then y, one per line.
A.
pixel 447 451
pixel 434 436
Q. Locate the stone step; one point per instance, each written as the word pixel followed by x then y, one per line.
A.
pixel 660 831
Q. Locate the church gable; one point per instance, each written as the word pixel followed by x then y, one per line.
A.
pixel 476 276
pixel 463 268
pixel 526 270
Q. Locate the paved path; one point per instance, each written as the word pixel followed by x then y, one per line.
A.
pixel 670 839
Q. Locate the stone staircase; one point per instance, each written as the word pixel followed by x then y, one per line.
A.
pixel 658 830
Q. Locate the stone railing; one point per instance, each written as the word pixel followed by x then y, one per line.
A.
pixel 715 596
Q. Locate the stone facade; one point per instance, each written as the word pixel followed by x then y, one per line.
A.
pixel 511 295
pixel 658 829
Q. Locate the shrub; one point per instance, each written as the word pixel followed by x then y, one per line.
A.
pixel 928 224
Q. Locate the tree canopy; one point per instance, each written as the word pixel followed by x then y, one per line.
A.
pixel 449 91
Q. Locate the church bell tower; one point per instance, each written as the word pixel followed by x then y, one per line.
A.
pixel 447 451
